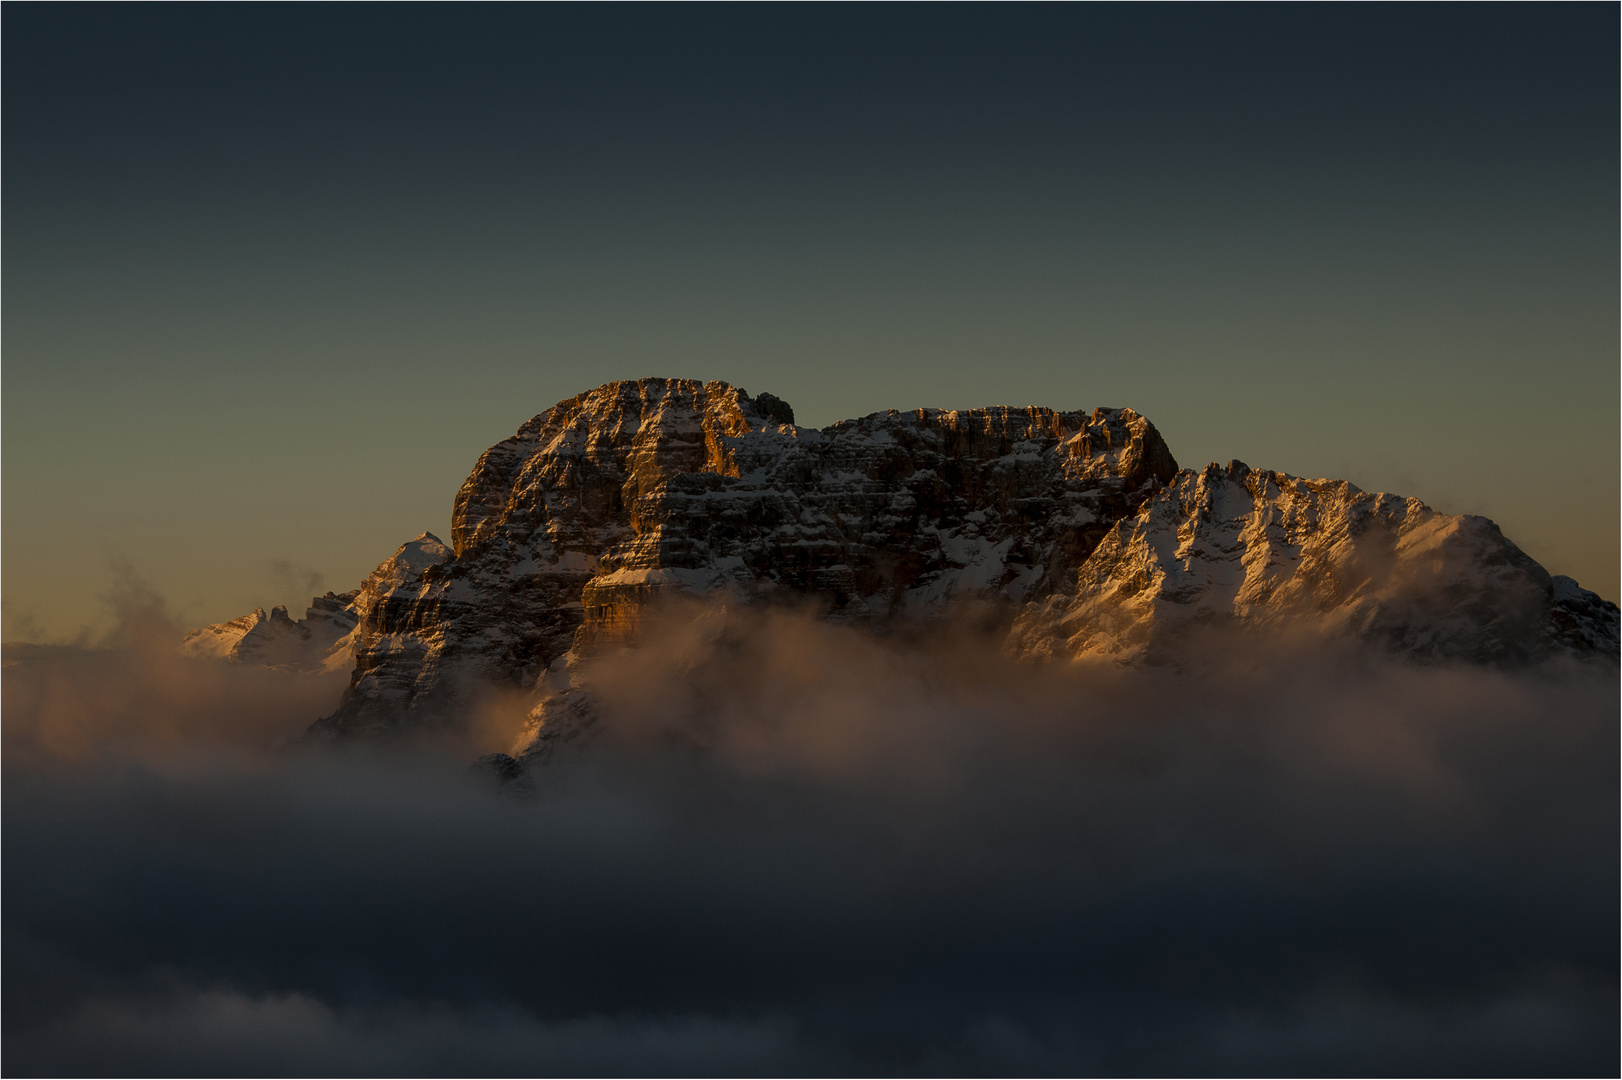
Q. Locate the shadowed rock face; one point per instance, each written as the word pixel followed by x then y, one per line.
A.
pixel 564 533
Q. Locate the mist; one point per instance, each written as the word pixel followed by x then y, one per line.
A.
pixel 792 846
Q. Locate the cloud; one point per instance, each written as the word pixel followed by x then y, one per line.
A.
pixel 297 583
pixel 22 623
pixel 798 846
pixel 215 1032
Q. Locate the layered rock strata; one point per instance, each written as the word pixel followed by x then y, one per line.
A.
pixel 564 533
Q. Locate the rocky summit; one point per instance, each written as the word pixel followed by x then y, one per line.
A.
pixel 1080 522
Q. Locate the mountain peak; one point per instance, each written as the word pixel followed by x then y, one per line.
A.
pixel 1080 522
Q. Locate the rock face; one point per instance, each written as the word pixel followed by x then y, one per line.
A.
pixel 390 640
pixel 1265 548
pixel 566 532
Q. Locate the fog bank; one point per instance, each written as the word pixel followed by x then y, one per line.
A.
pixel 793 846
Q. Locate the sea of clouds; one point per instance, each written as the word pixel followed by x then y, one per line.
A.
pixel 793 846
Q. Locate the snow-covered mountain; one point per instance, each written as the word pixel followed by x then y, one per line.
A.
pixel 1265 548
pixel 321 641
pixel 566 532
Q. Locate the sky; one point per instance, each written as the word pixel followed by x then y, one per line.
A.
pixel 274 277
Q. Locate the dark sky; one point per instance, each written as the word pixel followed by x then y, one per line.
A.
pixel 274 276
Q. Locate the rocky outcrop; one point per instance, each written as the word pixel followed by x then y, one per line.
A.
pixel 564 533
pixel 1079 522
pixel 397 652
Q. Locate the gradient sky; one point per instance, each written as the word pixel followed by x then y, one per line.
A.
pixel 274 277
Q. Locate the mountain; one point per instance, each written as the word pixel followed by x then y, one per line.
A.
pixel 565 533
pixel 329 637
pixel 321 641
pixel 1265 548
